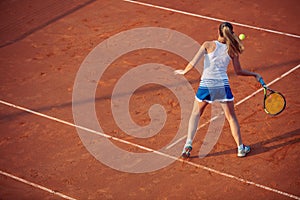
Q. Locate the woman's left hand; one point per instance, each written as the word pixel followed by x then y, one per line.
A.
pixel 179 71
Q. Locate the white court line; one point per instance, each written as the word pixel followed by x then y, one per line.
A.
pixel 238 103
pixel 152 150
pixel 36 185
pixel 212 18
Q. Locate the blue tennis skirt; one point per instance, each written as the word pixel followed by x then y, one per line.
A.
pixel 211 90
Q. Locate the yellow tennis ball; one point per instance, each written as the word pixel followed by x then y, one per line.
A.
pixel 242 36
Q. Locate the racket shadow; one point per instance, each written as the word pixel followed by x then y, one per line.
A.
pixel 286 139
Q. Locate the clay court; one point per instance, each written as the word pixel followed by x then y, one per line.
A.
pixel 42 155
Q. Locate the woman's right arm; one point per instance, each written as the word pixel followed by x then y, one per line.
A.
pixel 242 72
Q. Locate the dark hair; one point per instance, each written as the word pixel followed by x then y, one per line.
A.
pixel 234 44
pixel 227 24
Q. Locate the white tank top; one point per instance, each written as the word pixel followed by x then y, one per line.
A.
pixel 216 63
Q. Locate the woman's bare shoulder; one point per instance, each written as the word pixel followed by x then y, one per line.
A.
pixel 208 43
pixel 209 46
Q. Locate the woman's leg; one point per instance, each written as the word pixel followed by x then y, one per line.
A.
pixel 230 115
pixel 228 108
pixel 198 109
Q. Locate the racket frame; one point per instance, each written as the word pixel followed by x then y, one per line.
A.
pixel 266 88
pixel 266 96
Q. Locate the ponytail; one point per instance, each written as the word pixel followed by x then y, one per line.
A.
pixel 234 44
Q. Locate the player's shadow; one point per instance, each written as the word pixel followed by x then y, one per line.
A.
pixel 285 139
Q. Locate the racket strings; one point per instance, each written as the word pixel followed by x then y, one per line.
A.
pixel 274 103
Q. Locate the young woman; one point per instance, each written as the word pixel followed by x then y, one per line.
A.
pixel 214 85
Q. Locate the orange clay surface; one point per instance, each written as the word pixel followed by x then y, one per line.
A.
pixel 43 44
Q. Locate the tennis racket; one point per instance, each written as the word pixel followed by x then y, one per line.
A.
pixel 274 102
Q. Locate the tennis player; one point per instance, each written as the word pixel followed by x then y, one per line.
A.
pixel 214 85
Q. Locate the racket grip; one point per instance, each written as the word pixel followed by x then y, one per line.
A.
pixel 261 80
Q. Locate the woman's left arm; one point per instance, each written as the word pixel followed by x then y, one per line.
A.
pixel 193 62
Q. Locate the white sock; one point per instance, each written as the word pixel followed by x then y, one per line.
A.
pixel 189 141
pixel 241 147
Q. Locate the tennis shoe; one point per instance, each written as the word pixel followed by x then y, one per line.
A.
pixel 186 152
pixel 242 151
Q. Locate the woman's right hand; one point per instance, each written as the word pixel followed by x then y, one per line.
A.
pixel 258 77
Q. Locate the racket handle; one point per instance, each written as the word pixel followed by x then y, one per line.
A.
pixel 261 80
